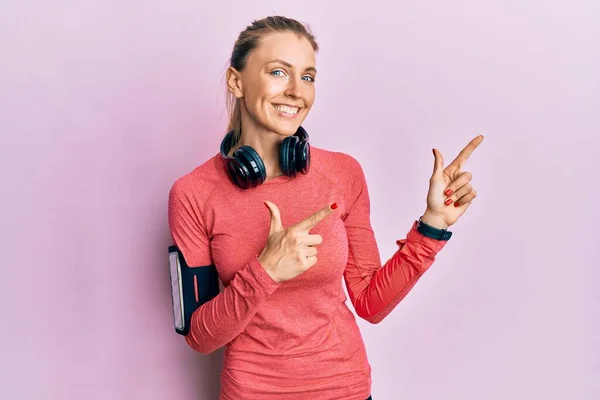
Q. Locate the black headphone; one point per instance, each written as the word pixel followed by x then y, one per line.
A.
pixel 247 170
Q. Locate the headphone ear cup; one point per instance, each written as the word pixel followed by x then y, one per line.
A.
pixel 252 165
pixel 238 173
pixel 303 157
pixel 287 155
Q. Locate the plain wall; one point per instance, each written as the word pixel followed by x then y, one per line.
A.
pixel 104 104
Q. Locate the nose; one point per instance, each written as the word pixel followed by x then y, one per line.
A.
pixel 294 88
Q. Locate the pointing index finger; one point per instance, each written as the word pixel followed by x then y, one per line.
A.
pixel 462 157
pixel 313 219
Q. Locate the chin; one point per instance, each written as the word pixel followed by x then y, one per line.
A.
pixel 288 131
pixel 283 128
pixel 286 125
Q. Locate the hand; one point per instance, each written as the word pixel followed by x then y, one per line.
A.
pixel 450 191
pixel 290 252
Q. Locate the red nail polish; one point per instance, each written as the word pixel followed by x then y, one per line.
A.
pixel 456 204
pixel 448 192
pixel 334 206
pixel 447 202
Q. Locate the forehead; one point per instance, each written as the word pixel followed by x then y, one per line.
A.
pixel 286 46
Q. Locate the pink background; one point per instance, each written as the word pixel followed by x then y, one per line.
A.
pixel 104 104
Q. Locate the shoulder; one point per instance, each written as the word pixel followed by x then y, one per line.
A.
pixel 196 186
pixel 339 166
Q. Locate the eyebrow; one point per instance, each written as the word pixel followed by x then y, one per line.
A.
pixel 287 64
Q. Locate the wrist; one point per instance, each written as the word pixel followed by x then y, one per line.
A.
pixel 433 232
pixel 434 221
pixel 270 271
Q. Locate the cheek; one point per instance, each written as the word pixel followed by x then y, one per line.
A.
pixel 272 90
pixel 309 95
pixel 263 92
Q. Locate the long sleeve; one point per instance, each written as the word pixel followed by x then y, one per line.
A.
pixel 218 321
pixel 374 289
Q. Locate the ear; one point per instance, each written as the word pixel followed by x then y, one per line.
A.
pixel 234 82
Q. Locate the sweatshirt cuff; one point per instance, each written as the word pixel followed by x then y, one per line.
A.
pixel 261 277
pixel 431 246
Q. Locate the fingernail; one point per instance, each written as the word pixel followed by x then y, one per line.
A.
pixel 447 202
pixel 334 206
pixel 265 203
pixel 448 192
pixel 456 204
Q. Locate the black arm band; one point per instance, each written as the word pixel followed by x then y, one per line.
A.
pixel 190 288
pixel 431 232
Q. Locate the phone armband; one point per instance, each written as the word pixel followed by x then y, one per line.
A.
pixel 190 288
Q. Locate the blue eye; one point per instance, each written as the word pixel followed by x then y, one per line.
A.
pixel 280 73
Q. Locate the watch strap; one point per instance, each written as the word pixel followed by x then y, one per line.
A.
pixel 431 232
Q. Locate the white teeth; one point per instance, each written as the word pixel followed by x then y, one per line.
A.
pixel 286 109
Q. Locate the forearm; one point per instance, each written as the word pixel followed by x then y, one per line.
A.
pixel 376 291
pixel 222 319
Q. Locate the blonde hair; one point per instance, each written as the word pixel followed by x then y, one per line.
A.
pixel 248 40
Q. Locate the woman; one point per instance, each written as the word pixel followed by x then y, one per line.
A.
pixel 282 314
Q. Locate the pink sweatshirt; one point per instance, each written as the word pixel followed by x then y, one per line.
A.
pixel 297 339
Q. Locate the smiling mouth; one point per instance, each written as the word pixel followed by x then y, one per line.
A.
pixel 286 110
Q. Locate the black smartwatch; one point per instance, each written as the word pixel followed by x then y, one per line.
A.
pixel 431 232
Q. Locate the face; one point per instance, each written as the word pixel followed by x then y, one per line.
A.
pixel 277 85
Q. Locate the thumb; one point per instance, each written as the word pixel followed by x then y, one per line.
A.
pixel 276 225
pixel 438 163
